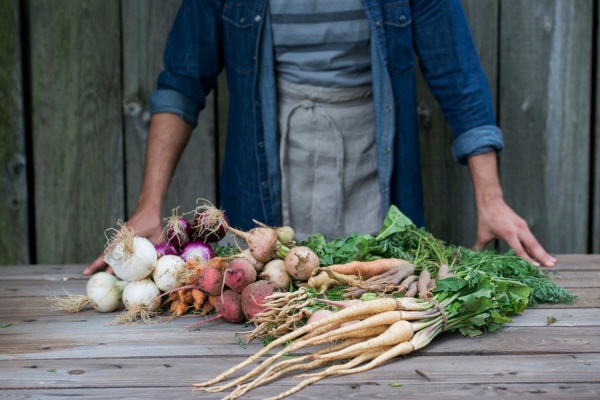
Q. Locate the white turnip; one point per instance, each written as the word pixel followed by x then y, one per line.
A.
pixel 300 262
pixel 142 302
pixel 104 292
pixel 167 272
pixel 133 257
pixel 276 272
pixel 286 235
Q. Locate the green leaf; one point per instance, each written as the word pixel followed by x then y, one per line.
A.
pixel 5 325
pixel 394 222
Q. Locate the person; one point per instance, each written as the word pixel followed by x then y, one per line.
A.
pixel 324 133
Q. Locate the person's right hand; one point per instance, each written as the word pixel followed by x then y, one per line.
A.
pixel 148 226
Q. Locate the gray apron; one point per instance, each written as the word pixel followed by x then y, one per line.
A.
pixel 328 160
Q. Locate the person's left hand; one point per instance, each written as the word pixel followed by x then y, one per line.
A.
pixel 497 220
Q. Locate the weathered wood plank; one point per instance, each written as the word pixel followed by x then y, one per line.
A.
pixel 354 390
pixel 14 229
pixel 69 354
pixel 77 126
pixel 146 25
pixel 127 372
pixel 215 340
pixel 447 185
pixel 545 91
pixel 595 189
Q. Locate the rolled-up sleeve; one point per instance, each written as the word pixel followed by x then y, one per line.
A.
pixel 192 61
pixel 476 141
pixel 172 101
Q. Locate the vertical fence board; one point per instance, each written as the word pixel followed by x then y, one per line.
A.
pixel 595 190
pixel 146 25
pixel 449 203
pixel 77 127
pixel 545 114
pixel 14 246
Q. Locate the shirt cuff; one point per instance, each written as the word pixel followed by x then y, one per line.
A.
pixel 476 141
pixel 172 101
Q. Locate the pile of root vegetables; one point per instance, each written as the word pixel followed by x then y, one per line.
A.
pixel 354 302
pixel 184 275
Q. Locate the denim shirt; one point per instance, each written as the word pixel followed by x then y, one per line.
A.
pixel 209 35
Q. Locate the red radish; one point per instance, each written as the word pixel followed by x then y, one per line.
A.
pixel 300 262
pixel 228 307
pixel 167 249
pixel 238 274
pixel 178 231
pixel 210 281
pixel 198 251
pixel 253 297
pixel 209 224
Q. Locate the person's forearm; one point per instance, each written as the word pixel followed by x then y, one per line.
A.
pixel 484 173
pixel 167 139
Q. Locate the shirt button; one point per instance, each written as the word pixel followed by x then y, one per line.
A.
pixel 242 20
pixel 385 190
pixel 387 150
pixel 261 144
pixel 402 19
pixel 378 24
pixel 263 184
pixel 258 18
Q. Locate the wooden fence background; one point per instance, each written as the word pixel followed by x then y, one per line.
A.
pixel 75 76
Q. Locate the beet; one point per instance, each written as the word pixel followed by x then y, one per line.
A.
pixel 228 307
pixel 210 281
pixel 239 274
pixel 253 297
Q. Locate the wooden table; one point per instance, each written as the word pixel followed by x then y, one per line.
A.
pixel 548 352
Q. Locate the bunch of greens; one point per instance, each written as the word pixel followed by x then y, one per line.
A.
pixel 400 238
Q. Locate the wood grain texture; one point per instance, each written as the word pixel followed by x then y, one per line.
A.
pixel 146 25
pixel 595 189
pixel 77 126
pixel 447 185
pixel 47 353
pixel 14 229
pixel 545 92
